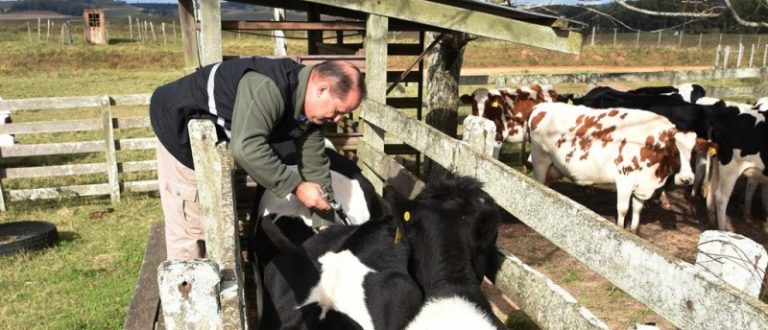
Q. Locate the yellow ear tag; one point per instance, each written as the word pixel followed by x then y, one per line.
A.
pixel 407 216
pixel 398 236
pixel 712 151
pixel 495 104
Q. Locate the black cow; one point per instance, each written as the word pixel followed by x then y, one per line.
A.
pixel 451 227
pixel 688 92
pixel 686 116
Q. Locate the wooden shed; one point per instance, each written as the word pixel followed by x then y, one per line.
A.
pixel 95 26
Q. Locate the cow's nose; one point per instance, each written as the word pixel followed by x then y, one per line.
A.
pixel 684 180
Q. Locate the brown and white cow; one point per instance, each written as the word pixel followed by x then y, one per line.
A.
pixel 634 149
pixel 508 108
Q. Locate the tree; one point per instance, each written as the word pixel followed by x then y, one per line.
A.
pixel 444 60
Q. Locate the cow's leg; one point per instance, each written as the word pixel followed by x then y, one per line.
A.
pixel 713 184
pixel 637 207
pixel 623 196
pixel 764 198
pixel 749 193
pixel 664 200
pixel 541 163
pixel 699 173
pixel 727 179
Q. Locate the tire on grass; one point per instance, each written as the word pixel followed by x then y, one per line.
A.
pixel 26 235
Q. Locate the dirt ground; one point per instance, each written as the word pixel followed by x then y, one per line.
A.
pixel 675 231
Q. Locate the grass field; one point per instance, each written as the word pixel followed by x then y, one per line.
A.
pixel 86 282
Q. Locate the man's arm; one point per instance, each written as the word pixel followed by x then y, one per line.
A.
pixel 314 165
pixel 258 108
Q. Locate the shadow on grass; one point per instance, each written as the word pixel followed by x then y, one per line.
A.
pixel 115 41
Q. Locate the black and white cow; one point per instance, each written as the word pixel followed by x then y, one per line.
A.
pixel 688 92
pixel 352 190
pixel 377 275
pixel 742 137
pixel 451 227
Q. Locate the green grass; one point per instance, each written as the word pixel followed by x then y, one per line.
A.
pixel 87 280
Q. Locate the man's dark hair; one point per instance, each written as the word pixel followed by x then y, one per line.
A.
pixel 344 78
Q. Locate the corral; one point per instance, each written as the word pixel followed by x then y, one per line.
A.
pixel 387 113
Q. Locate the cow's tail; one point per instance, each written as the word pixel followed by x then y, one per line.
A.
pixel 527 166
pixel 712 177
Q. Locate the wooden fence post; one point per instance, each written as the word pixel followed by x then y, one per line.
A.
pixel 658 43
pixel 740 56
pixel 680 41
pixel 376 83
pixel 593 36
pixel 152 29
pixel 130 26
pixel 700 37
pixel 189 294
pixel 174 29
pixel 480 134
pixel 162 28
pixel 614 36
pixel 138 29
pixel 751 55
pixel 765 54
pixel 38 29
pixel 214 169
pixel 717 56
pixel 280 48
pixel 48 30
pixel 720 39
pixel 29 32
pixel 637 39
pixel 111 154
pixel 735 259
pixel 2 193
pixel 726 55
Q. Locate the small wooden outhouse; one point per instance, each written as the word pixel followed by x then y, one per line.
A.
pixel 95 26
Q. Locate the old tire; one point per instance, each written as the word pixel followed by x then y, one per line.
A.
pixel 26 235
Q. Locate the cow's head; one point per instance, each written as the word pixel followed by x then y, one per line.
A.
pixel 673 151
pixel 451 225
pixel 508 108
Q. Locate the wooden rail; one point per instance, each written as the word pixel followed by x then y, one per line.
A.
pixel 109 145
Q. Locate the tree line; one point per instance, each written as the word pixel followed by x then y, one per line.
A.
pixel 610 15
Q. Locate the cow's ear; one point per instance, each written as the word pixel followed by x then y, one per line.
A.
pixel 466 99
pixel 397 203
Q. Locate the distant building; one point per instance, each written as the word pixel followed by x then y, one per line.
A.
pixel 95 26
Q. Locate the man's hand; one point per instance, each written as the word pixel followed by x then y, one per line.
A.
pixel 312 196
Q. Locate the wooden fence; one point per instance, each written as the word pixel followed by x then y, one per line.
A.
pixel 108 145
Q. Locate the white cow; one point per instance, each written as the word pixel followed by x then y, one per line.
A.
pixel 634 149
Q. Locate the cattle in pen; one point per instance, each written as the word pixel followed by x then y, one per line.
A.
pixel 396 272
pixel 633 149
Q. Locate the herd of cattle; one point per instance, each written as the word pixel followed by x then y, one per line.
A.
pixel 636 140
pixel 419 264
